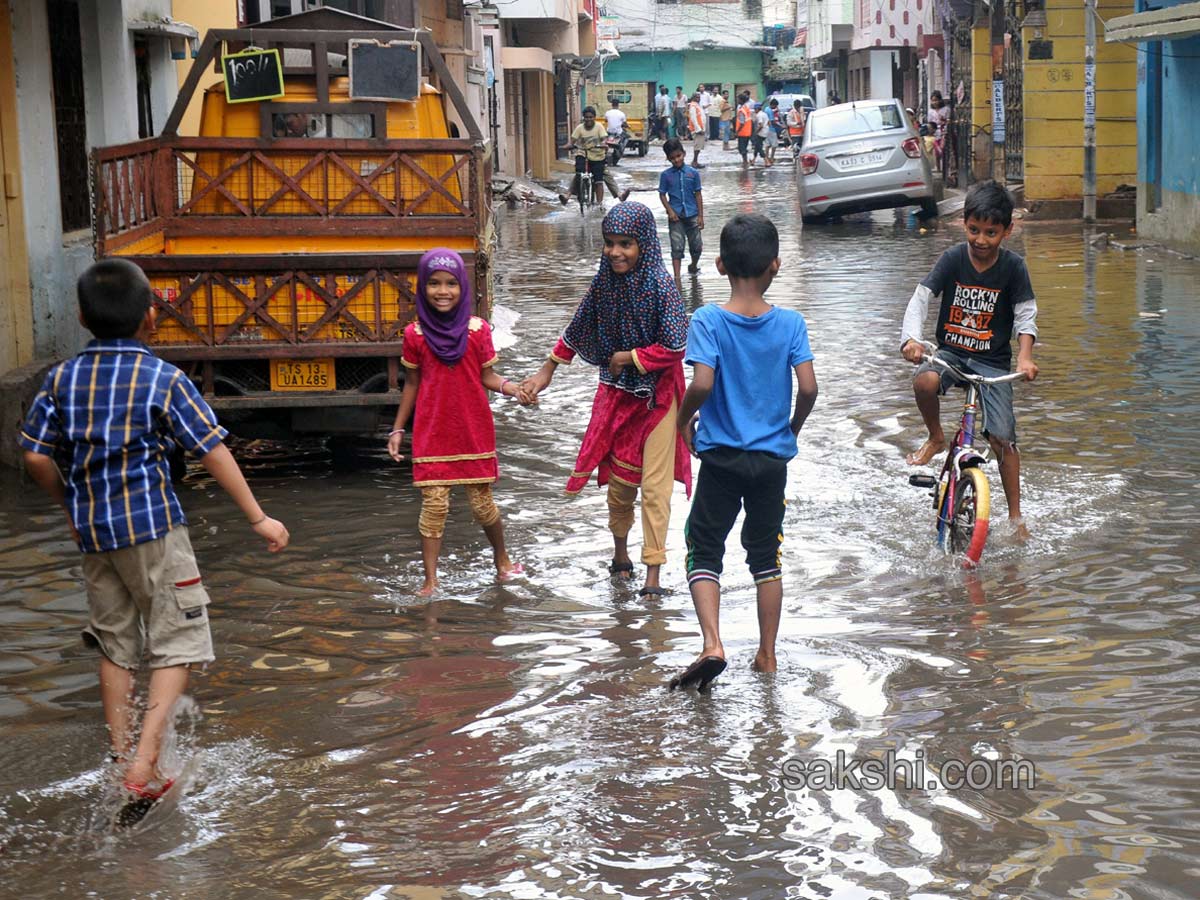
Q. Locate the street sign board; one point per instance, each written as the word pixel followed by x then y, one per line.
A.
pixel 253 74
pixel 1089 94
pixel 389 71
pixel 998 111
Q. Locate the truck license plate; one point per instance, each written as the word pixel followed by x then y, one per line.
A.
pixel 302 375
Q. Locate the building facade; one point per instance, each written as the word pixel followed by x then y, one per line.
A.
pixel 689 43
pixel 84 73
pixel 1167 41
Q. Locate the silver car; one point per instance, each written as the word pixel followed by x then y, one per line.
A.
pixel 860 156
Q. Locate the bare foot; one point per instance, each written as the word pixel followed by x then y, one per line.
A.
pixel 141 771
pixel 927 452
pixel 506 569
pixel 428 588
pixel 1020 531
pixel 763 662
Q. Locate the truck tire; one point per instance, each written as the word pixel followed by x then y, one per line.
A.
pixel 641 148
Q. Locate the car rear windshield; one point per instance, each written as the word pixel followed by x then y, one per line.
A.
pixel 859 119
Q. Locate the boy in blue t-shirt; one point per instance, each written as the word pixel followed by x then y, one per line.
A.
pixel 679 190
pixel 743 354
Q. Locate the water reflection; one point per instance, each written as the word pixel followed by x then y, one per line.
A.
pixel 517 740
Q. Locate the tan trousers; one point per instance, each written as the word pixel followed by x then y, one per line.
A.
pixel 435 506
pixel 658 479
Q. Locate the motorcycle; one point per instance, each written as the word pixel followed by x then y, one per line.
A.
pixel 616 145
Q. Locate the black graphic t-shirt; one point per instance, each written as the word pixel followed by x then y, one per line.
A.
pixel 977 311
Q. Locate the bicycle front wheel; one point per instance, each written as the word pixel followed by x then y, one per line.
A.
pixel 585 191
pixel 966 526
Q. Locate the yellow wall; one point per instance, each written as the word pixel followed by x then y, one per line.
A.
pixel 981 100
pixel 1053 104
pixel 201 15
pixel 539 96
pixel 16 311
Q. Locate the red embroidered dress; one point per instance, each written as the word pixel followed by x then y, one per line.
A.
pixel 621 422
pixel 642 312
pixel 454 436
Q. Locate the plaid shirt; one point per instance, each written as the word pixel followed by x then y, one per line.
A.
pixel 113 414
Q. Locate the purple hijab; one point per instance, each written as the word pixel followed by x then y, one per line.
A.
pixel 445 333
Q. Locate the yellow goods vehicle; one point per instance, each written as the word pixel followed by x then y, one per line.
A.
pixel 282 242
pixel 634 97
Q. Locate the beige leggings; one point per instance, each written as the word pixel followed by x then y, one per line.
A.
pixel 435 506
pixel 658 479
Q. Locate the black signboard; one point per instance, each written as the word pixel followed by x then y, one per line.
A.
pixel 385 71
pixel 252 75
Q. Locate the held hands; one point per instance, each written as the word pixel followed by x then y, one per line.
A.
pixel 529 389
pixel 273 532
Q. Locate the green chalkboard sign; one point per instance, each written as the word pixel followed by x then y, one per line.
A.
pixel 252 75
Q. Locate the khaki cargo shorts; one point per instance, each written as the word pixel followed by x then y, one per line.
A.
pixel 151 591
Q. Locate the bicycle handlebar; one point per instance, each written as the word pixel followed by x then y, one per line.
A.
pixel 931 352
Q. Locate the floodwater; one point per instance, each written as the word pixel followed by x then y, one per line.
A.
pixel 354 741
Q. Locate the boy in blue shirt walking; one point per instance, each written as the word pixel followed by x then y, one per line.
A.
pixel 112 414
pixel 679 190
pixel 743 355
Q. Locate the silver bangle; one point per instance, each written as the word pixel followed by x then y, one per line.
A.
pixel 396 431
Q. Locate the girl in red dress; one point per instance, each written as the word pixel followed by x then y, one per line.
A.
pixel 449 357
pixel 631 324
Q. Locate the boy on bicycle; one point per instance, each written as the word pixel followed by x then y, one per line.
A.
pixel 744 354
pixel 986 298
pixel 588 140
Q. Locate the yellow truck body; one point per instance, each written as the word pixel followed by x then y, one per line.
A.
pixel 282 242
pixel 634 97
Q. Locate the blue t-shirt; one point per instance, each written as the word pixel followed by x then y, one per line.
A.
pixel 750 407
pixel 680 186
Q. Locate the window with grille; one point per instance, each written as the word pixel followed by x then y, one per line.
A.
pixel 70 118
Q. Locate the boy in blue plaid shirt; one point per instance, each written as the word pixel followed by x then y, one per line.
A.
pixel 113 414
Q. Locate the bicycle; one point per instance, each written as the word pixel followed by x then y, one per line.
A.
pixel 961 493
pixel 585 184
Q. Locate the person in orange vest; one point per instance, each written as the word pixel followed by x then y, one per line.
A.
pixel 795 126
pixel 744 127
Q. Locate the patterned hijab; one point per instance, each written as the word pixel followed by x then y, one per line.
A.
pixel 624 312
pixel 445 333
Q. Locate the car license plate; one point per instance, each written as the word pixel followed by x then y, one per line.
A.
pixel 862 160
pixel 302 375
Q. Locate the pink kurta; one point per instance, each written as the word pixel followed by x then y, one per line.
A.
pixel 454 436
pixel 621 422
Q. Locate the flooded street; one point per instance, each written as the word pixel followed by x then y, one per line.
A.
pixel 517 740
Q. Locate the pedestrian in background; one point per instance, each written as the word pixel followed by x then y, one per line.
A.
pixel 681 105
pixel 714 116
pixel 679 191
pixel 743 437
pixel 112 414
pixel 662 113
pixel 450 361
pixel 726 121
pixel 762 128
pixel 744 127
pixel 776 123
pixel 632 326
pixel 705 103
pixel 795 126
pixel 696 126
